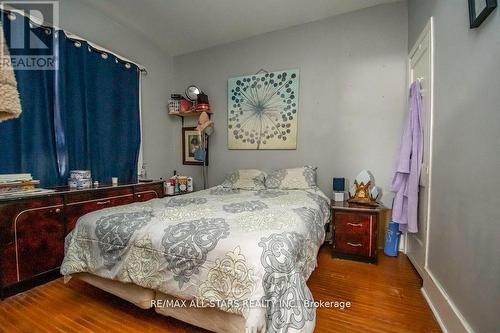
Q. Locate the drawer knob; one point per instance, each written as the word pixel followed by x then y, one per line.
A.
pixel 355 244
pixel 58 210
pixel 138 195
pixel 103 202
pixel 355 224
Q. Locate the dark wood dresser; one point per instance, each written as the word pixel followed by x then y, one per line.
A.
pixel 32 229
pixel 355 231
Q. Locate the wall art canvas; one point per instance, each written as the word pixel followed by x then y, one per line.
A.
pixel 262 110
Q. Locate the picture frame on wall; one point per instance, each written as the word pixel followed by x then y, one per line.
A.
pixel 479 10
pixel 191 139
pixel 263 110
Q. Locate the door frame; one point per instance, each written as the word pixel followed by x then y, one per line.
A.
pixel 429 29
pixel 446 312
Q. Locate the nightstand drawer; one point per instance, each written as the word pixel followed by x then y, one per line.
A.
pixel 353 223
pixel 357 244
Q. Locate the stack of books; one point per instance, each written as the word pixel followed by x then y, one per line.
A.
pixel 18 184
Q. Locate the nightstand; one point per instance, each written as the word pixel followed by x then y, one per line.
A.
pixel 355 231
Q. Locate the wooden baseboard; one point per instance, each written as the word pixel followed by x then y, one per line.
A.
pixel 447 314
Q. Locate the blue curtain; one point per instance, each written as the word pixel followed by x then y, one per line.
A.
pixel 84 115
pixel 98 101
pixel 27 143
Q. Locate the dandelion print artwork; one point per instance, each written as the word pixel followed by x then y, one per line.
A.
pixel 262 111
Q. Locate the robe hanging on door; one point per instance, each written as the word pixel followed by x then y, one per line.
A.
pixel 407 175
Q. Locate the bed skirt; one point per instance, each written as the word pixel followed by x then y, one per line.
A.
pixel 208 318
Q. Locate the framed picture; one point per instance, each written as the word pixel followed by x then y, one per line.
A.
pixel 191 140
pixel 479 11
pixel 263 110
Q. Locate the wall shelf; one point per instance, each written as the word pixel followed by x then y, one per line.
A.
pixel 191 113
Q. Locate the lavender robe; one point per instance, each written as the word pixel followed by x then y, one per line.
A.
pixel 407 176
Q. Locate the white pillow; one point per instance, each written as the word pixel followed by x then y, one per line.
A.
pixel 292 179
pixel 246 179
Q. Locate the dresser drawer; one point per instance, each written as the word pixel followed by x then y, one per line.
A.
pixel 92 195
pixel 11 211
pixel 75 210
pixel 39 241
pixel 145 196
pixel 158 188
pixel 147 192
pixel 31 237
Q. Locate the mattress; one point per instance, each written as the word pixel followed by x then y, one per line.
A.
pixel 247 253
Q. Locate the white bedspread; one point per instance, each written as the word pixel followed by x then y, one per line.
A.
pixel 245 252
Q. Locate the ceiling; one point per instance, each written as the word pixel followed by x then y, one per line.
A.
pixel 183 26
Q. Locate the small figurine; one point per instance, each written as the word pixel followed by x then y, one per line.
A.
pixel 362 191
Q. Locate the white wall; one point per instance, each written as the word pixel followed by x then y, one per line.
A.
pixel 158 138
pixel 464 251
pixel 352 93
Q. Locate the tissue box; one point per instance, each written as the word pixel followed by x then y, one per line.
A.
pixel 339 196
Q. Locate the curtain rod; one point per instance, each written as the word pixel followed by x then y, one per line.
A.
pixel 72 36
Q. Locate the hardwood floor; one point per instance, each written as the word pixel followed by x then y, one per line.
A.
pixel 385 298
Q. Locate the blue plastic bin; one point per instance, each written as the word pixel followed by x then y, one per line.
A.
pixel 392 240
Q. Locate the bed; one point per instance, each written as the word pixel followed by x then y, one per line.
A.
pixel 224 259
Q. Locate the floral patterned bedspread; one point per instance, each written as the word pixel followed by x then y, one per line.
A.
pixel 238 250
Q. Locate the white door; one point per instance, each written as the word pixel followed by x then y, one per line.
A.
pixel 421 68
